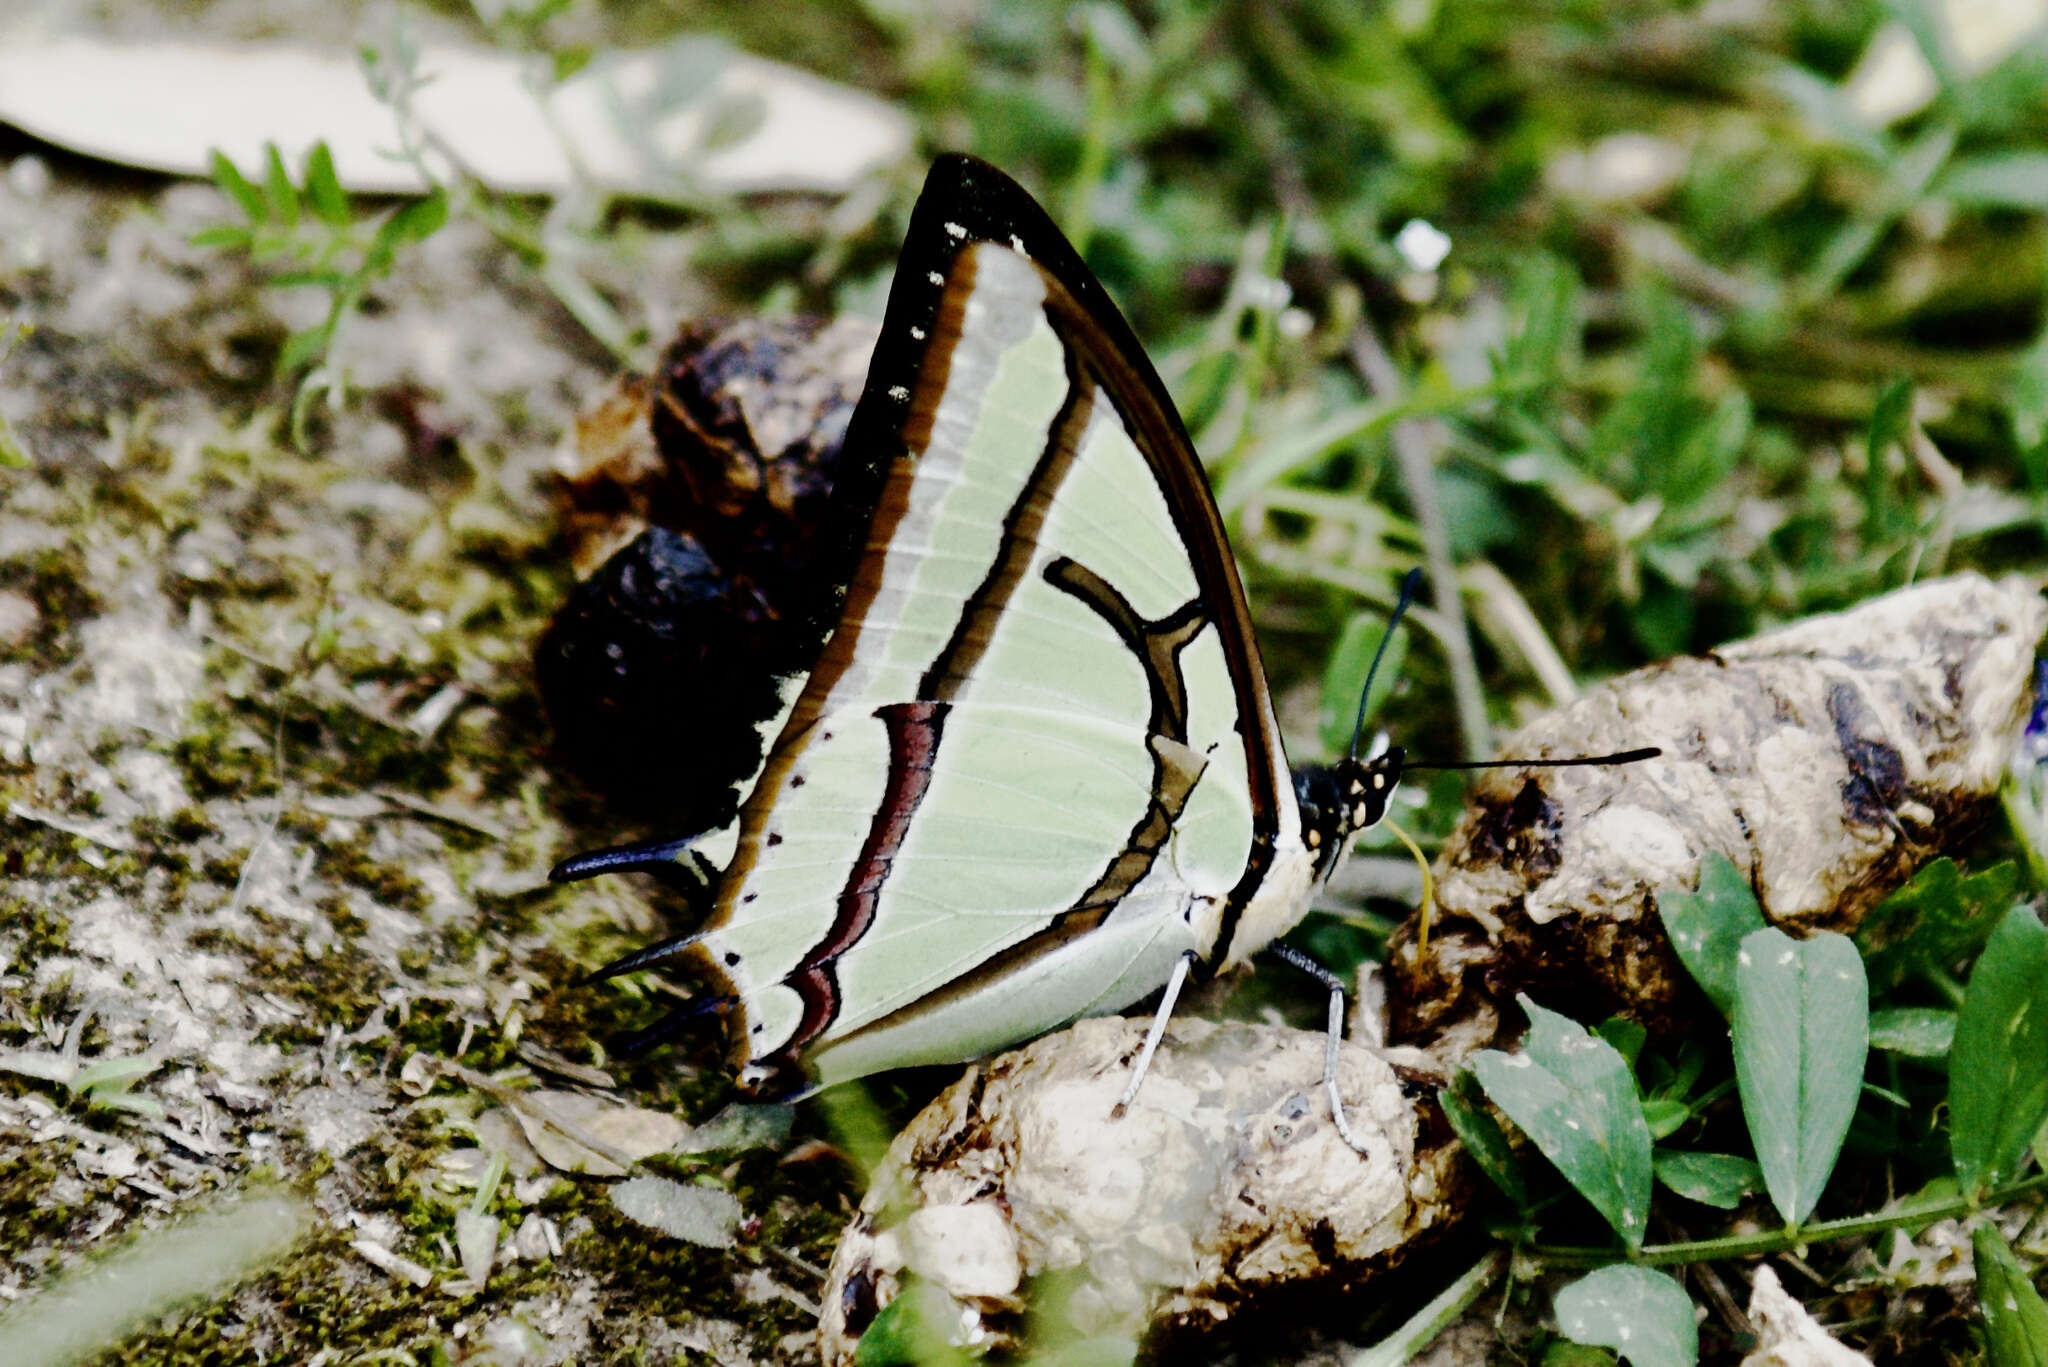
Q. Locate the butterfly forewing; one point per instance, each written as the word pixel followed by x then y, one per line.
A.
pixel 1036 762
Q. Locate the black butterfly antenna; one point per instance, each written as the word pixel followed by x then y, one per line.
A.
pixel 1619 757
pixel 1410 583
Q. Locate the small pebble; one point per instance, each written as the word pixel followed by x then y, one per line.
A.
pixel 29 177
pixel 19 617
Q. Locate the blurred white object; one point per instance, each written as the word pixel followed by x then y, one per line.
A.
pixel 1893 78
pixel 1423 246
pixel 1788 1336
pixel 694 115
pixel 1621 168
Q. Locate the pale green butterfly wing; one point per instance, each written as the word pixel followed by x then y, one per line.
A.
pixel 1036 762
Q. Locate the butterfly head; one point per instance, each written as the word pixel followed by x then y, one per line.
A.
pixel 1340 800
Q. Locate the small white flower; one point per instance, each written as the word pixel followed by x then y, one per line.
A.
pixel 1422 245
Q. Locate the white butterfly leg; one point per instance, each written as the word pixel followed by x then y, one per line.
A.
pixel 1174 983
pixel 1333 1037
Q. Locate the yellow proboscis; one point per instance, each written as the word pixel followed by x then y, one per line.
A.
pixel 1428 883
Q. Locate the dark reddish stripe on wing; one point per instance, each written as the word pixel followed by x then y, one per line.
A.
pixel 914 731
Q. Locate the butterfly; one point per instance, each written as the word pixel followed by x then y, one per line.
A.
pixel 1035 773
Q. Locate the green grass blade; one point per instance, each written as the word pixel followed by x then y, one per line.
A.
pixel 87 1311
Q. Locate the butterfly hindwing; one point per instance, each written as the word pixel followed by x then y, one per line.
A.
pixel 1036 761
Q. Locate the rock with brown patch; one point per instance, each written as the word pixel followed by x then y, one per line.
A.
pixel 1829 759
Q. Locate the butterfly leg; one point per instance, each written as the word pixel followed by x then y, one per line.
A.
pixel 1334 1036
pixel 1152 1037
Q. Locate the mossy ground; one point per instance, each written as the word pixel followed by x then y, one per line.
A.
pixel 225 839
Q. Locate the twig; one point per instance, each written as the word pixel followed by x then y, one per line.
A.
pixel 1503 605
pixel 1416 442
pixel 1788 1240
pixel 84 830
pixel 398 797
pixel 1432 1319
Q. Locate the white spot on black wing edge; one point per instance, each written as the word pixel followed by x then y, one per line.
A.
pixel 899 392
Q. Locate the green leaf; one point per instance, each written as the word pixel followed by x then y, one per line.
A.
pixel 1938 919
pixel 1801 1030
pixel 2015 1317
pixel 703 1215
pixel 2026 398
pixel 1202 391
pixel 323 187
pixel 236 186
pixel 911 1331
pixel 303 348
pixel 1344 676
pixel 1665 1115
pixel 1706 926
pixel 1627 1037
pixel 1483 1137
pixel 2002 180
pixel 1891 420
pixel 1915 1031
pixel 279 195
pixel 1713 1179
pixel 113 1074
pixel 1572 1094
pixel 1644 1316
pixel 416 222
pixel 1707 456
pixel 120 1100
pixel 1635 443
pixel 1544 300
pixel 331 281
pixel 1998 1065
pixel 225 235
pixel 1106 1350
pixel 1885 515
